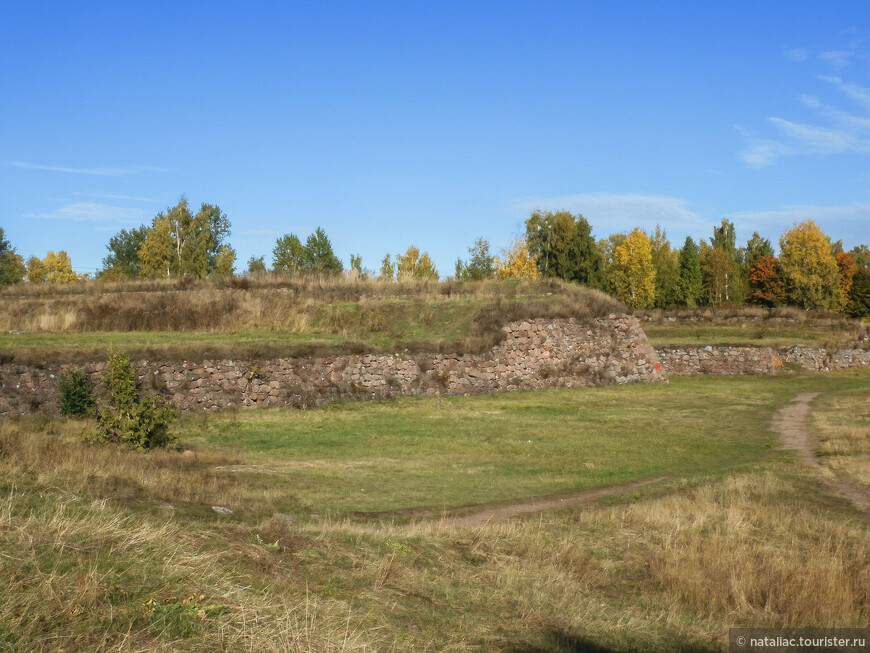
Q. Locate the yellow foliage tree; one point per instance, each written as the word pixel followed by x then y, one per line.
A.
pixel 156 251
pixel 58 268
pixel 516 262
pixel 810 267
pixel 35 270
pixel 635 275
pixel 413 265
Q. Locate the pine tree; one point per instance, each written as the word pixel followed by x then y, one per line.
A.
pixel 287 254
pixel 690 283
pixel 317 254
pixel 388 270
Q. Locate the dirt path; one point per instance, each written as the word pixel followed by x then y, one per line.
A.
pixel 792 425
pixel 505 511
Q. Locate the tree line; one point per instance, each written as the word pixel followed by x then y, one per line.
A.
pixel 642 269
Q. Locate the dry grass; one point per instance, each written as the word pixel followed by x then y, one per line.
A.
pixel 257 317
pixel 55 452
pixel 663 573
pixel 87 562
pixel 86 576
pixel 742 549
pixel 842 425
pixel 742 313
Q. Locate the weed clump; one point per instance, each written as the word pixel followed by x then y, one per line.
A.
pixel 76 393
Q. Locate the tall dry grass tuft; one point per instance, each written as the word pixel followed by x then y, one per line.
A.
pixel 84 576
pixel 742 548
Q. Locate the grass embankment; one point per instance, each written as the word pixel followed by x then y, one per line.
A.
pixel 92 556
pixel 748 326
pixel 275 316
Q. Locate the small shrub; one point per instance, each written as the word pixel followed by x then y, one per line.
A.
pixel 119 380
pixel 143 425
pixel 76 393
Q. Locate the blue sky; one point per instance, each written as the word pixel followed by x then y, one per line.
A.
pixel 431 123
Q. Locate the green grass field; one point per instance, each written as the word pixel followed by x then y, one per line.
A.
pixel 460 450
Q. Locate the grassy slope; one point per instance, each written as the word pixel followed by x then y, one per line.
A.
pixel 297 318
pixel 759 543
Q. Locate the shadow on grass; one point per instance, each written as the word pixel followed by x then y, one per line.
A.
pixel 555 641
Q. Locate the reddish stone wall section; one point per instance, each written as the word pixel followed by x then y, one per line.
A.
pixel 535 354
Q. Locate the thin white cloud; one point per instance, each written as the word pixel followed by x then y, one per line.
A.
pixel 835 130
pixel 837 58
pixel 612 213
pixel 102 172
pixel 847 121
pixel 760 153
pixel 854 92
pixel 95 212
pixel 816 139
pixel 795 54
pixel 109 196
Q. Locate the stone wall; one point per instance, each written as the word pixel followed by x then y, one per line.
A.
pixel 534 354
pixel 693 361
pixel 822 360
